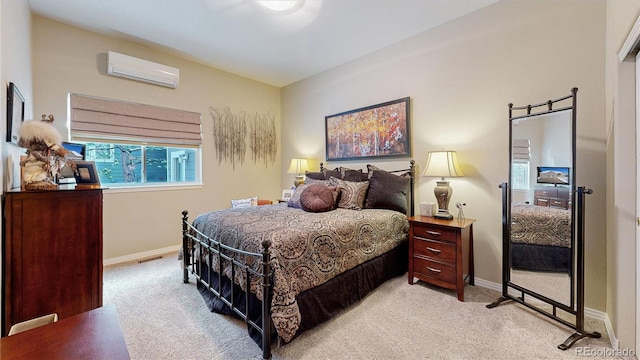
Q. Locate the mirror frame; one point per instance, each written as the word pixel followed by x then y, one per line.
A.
pixel 576 306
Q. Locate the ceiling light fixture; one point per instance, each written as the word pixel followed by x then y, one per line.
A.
pixel 281 5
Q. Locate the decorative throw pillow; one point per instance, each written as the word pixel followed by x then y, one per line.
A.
pixel 294 201
pixel 311 181
pixel 387 191
pixel 318 198
pixel 329 173
pixel 354 175
pixel 244 203
pixel 318 175
pixel 352 193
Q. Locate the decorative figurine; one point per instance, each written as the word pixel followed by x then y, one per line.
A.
pixel 459 205
pixel 45 154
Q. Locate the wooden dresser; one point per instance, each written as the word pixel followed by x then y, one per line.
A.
pixel 550 196
pixel 52 254
pixel 441 251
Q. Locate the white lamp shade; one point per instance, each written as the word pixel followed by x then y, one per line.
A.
pixel 298 166
pixel 442 164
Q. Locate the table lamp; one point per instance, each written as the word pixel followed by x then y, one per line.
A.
pixel 441 164
pixel 298 167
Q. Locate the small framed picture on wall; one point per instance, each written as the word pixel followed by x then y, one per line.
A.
pixel 15 112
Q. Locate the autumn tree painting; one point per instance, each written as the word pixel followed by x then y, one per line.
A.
pixel 376 131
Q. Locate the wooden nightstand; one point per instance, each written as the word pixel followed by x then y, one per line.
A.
pixel 440 251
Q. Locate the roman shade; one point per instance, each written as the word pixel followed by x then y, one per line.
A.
pixel 92 118
pixel 521 149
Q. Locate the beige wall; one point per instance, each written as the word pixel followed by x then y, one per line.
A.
pixel 15 67
pixel 67 59
pixel 460 77
pixel 621 182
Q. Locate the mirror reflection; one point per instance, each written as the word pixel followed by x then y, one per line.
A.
pixel 541 203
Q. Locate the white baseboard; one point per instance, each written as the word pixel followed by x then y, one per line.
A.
pixel 141 255
pixel 594 314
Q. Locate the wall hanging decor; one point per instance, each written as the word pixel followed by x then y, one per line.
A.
pixel 377 131
pixel 232 130
pixel 262 138
pixel 15 112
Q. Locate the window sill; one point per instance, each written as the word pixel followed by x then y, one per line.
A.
pixel 144 188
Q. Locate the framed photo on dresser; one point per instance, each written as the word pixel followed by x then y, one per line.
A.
pixel 86 175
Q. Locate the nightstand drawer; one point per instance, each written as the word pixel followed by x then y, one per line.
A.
pixel 435 270
pixel 435 249
pixel 434 233
pixel 558 203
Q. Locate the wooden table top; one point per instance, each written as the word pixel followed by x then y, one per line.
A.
pixel 94 334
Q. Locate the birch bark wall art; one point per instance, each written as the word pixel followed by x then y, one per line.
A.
pixel 262 139
pixel 232 131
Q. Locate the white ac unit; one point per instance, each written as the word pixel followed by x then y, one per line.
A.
pixel 142 70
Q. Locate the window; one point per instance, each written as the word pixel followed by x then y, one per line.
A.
pixel 130 164
pixel 135 144
pixel 520 174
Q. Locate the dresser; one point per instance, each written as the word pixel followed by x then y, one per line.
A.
pixel 51 254
pixel 441 251
pixel 550 196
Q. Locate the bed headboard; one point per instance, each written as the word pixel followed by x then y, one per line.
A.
pixel 410 194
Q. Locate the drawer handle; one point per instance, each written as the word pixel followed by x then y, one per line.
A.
pixel 437 251
pixel 433 233
pixel 434 269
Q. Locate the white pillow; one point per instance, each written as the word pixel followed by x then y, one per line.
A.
pixel 244 203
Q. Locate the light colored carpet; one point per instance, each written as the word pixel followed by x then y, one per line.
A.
pixel 163 318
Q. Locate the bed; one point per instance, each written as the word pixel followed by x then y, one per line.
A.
pixel 301 267
pixel 540 238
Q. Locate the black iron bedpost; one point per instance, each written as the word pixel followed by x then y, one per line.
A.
pixel 186 257
pixel 266 300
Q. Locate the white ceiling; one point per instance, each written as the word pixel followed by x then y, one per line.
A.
pixel 245 38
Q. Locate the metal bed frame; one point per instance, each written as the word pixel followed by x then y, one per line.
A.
pixel 193 239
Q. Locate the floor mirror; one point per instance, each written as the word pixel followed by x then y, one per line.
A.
pixel 543 215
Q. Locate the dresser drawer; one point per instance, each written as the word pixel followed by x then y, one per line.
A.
pixel 551 192
pixel 558 203
pixel 438 250
pixel 435 270
pixel 434 233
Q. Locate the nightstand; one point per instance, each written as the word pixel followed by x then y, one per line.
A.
pixel 441 251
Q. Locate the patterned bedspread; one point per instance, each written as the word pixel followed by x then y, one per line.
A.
pixel 307 248
pixel 532 224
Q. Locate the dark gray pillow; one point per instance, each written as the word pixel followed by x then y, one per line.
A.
pixel 318 198
pixel 387 191
pixel 354 175
pixel 329 173
pixel 318 175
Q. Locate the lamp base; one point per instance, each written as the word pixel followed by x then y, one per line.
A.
pixel 298 181
pixel 443 214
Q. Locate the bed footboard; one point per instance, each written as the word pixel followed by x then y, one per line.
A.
pixel 195 243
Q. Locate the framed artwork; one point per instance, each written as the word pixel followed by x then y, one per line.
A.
pixel 86 175
pixel 15 112
pixel 376 131
pixel 286 194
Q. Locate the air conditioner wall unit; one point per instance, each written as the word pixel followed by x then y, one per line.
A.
pixel 130 67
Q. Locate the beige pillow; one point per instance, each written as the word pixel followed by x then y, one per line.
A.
pixel 352 194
